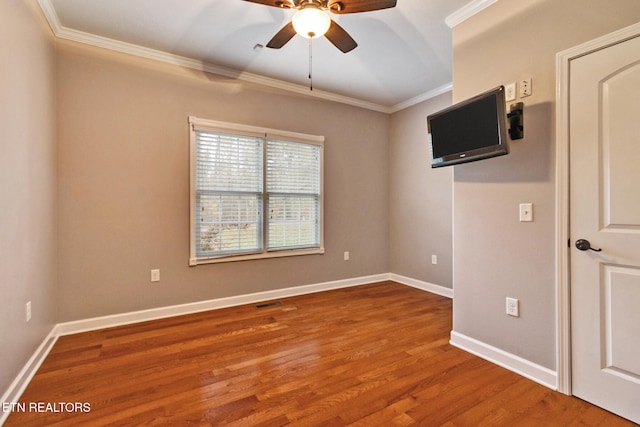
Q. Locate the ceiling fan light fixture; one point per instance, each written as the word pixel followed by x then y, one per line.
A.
pixel 311 22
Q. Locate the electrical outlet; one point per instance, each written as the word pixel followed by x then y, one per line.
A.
pixel 28 310
pixel 155 275
pixel 525 87
pixel 346 256
pixel 434 259
pixel 513 308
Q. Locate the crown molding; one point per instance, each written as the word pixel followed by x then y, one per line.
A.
pixel 50 14
pixel 65 33
pixel 467 12
pixel 448 87
pixel 106 43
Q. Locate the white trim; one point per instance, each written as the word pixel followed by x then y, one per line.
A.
pixel 181 61
pixel 467 12
pixel 195 261
pixel 517 364
pixel 50 13
pixel 157 55
pixel 25 375
pixel 214 304
pixel 264 134
pixel 200 123
pixel 22 380
pixel 424 286
pixel 563 301
pixel 563 295
pixel 448 87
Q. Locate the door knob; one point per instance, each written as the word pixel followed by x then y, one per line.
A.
pixel 584 245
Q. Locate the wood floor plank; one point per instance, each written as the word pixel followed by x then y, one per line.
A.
pixel 372 355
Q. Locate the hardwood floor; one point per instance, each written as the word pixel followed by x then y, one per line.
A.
pixel 365 356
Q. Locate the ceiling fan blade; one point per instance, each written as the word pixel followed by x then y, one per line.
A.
pixel 285 4
pixel 340 38
pixel 354 6
pixel 282 37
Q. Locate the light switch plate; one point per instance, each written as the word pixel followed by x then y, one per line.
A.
pixel 526 212
pixel 510 92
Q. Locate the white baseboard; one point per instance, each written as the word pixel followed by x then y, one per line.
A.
pixel 514 363
pixel 24 377
pixel 195 307
pixel 495 355
pixel 18 386
pixel 419 284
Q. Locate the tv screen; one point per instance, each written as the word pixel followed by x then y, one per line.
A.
pixel 470 130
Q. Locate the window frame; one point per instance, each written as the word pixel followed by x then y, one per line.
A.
pixel 197 124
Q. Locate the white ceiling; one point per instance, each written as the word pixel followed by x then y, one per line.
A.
pixel 404 54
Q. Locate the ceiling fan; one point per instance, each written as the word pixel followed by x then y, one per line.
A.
pixel 312 21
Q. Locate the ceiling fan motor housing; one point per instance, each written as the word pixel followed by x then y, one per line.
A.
pixel 333 32
pixel 334 6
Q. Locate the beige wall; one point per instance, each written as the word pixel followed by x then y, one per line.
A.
pixel 420 211
pixel 124 184
pixel 27 184
pixel 495 255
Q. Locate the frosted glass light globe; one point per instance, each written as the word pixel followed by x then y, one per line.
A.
pixel 311 22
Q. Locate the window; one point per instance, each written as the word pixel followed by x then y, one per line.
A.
pixel 255 193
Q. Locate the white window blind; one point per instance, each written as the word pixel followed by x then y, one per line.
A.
pixel 229 187
pixel 293 195
pixel 253 195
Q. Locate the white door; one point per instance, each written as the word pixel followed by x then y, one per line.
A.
pixel 604 126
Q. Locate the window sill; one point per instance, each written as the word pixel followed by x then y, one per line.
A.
pixel 268 255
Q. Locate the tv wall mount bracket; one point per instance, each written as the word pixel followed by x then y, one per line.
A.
pixel 516 121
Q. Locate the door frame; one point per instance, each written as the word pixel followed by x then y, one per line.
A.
pixel 563 257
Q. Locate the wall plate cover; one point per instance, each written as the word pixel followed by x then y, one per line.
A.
pixel 525 87
pixel 526 212
pixel 510 92
pixel 513 308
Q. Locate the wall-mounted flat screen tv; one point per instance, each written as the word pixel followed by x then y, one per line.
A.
pixel 470 130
